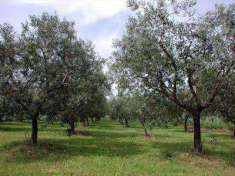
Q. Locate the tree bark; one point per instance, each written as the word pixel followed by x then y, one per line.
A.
pixel 197 132
pixel 34 136
pixel 186 123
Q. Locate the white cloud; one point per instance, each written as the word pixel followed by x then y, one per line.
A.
pixel 86 13
pixel 90 10
pixel 104 45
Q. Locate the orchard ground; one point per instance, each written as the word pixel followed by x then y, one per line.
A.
pixel 108 149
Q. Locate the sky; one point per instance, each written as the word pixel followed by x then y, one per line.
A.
pixel 100 21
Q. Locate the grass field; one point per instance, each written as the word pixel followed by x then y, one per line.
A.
pixel 108 149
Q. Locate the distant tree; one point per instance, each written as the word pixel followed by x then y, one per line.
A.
pixel 168 50
pixel 84 98
pixel 95 88
pixel 74 93
pixel 119 110
pixel 186 117
pixel 156 111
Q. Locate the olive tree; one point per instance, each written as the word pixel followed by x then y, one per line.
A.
pixel 120 109
pixel 84 97
pixel 225 102
pixel 8 66
pixel 40 65
pixel 167 50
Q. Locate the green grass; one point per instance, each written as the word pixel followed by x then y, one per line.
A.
pixel 108 149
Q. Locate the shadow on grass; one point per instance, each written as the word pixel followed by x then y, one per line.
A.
pixel 223 151
pixel 114 134
pixel 104 134
pixel 108 126
pixel 60 149
pixel 226 136
pixel 25 127
pixel 14 129
pixel 170 150
pixel 100 133
pixel 105 142
pixel 28 129
pixel 227 156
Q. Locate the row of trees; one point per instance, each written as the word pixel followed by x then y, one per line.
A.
pixel 148 110
pixel 171 53
pixel 169 62
pixel 47 70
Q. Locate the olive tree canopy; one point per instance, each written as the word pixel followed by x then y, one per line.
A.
pixel 167 49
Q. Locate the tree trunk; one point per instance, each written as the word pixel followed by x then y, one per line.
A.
pixel 34 136
pixel 126 123
pixel 186 123
pixel 145 129
pixel 72 127
pixel 197 133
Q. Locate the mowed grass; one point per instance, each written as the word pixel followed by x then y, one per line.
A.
pixel 108 149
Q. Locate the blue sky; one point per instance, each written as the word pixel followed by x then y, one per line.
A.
pixel 100 21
